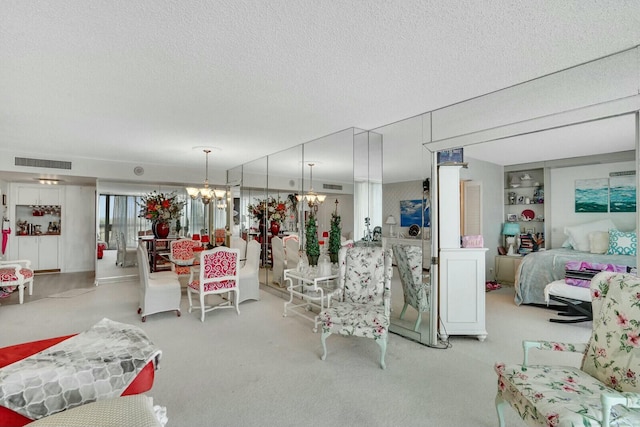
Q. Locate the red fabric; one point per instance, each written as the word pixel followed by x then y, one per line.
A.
pixel 101 248
pixel 14 353
pixel 9 274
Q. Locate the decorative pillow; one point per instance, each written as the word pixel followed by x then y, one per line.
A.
pixel 621 243
pixel 598 242
pixel 579 234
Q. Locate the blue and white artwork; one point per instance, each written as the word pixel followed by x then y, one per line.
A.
pixel 592 195
pixel 411 213
pixel 622 193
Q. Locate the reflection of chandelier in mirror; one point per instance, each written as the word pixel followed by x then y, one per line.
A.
pixel 312 198
pixel 205 193
pixel 220 197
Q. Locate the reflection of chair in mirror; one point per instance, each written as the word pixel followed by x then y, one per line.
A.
pixel 181 251
pixel 219 274
pixel 277 253
pixel 416 292
pixel 220 236
pixel 604 390
pixel 125 257
pixel 364 308
pixel 159 291
pixel 241 245
pixel 16 273
pixel 249 284
pixel 292 249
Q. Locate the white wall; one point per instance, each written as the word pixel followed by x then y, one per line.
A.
pixel 79 230
pixel 560 192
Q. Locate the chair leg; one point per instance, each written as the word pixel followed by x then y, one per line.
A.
pixel 202 307
pixel 418 320
pixel 382 342
pixel 500 404
pixel 31 286
pixel 237 298
pixel 404 310
pixel 21 292
pixel 323 338
pixel 189 298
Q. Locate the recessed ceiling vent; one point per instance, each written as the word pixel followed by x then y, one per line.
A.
pixel 331 187
pixel 40 163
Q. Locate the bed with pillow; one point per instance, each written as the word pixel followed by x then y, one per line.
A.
pixel 595 242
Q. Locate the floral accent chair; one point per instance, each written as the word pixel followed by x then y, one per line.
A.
pixel 16 274
pixel 605 390
pixel 364 288
pixel 219 274
pixel 181 252
pixel 416 292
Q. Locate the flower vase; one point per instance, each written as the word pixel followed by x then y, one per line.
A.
pixel 160 229
pixel 275 228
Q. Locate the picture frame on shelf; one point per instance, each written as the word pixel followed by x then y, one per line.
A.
pixel 512 217
pixel 529 231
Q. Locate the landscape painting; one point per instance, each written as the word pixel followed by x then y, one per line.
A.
pixel 411 213
pixel 622 193
pixel 592 195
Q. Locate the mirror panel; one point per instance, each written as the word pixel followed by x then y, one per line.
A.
pixel 253 192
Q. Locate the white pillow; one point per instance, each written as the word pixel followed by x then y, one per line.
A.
pixel 598 242
pixel 579 234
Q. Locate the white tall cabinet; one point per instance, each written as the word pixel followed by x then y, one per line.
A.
pixel 462 270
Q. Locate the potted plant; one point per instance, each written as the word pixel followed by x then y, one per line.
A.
pixel 312 247
pixel 334 237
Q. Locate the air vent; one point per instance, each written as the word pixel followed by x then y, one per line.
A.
pixel 331 187
pixel 40 163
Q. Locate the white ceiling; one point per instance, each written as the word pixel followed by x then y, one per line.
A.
pixel 148 80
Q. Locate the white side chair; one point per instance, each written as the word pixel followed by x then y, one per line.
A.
pixel 125 257
pixel 249 283
pixel 279 262
pixel 159 291
pixel 241 245
pixel 292 249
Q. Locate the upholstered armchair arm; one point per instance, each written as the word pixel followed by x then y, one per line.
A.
pixel 550 345
pixel 609 400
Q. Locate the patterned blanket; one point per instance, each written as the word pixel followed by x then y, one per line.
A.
pixel 97 364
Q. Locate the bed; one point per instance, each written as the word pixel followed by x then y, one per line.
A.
pixel 538 269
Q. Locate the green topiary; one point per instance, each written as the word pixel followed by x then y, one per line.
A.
pixel 312 246
pixel 334 237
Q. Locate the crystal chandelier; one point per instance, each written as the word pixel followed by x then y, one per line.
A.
pixel 312 198
pixel 205 193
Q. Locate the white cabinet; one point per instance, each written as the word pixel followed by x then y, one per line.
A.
pixel 42 251
pixel 462 292
pixel 37 195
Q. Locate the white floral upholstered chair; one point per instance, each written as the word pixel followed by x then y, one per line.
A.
pixel 16 274
pixel 219 274
pixel 364 305
pixel 605 390
pixel 416 292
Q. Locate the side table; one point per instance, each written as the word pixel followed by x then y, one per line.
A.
pixel 314 291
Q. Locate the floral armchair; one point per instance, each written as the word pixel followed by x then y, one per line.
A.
pixel 416 292
pixel 364 305
pixel 605 390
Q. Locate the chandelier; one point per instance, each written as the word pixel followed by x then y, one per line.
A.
pixel 205 193
pixel 312 198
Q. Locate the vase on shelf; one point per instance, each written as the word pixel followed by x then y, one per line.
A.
pixel 275 228
pixel 160 229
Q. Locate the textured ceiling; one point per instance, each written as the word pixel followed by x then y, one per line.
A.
pixel 147 80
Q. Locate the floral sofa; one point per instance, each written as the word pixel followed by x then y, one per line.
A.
pixel 605 390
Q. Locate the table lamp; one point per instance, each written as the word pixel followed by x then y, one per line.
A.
pixel 205 240
pixel 391 221
pixel 510 230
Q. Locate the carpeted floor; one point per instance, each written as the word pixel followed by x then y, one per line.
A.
pixel 260 368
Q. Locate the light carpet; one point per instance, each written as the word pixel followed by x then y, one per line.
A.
pixel 260 368
pixel 72 293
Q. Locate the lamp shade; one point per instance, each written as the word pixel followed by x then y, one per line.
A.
pixel 325 234
pixel 391 220
pixel 511 229
pixel 205 238
pixel 195 237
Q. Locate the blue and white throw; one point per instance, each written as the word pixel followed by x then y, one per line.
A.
pixel 97 364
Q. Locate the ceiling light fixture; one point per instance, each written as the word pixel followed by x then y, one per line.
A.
pixel 312 198
pixel 49 181
pixel 205 193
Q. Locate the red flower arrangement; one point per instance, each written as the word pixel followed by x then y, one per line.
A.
pixel 160 206
pixel 275 210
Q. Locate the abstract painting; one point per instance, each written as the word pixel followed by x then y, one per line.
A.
pixel 411 213
pixel 622 193
pixel 592 195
